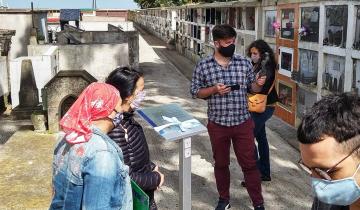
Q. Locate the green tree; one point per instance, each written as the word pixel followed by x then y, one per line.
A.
pixel 167 3
pixel 160 3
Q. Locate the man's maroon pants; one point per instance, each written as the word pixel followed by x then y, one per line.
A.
pixel 242 137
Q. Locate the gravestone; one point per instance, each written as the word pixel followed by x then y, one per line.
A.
pixel 29 94
pixel 61 92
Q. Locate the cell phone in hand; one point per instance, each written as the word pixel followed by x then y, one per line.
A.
pixel 234 86
pixel 264 61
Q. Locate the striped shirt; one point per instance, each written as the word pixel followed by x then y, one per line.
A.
pixel 230 109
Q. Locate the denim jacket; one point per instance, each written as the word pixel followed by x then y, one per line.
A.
pixel 90 175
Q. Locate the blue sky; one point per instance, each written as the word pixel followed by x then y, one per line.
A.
pixel 58 4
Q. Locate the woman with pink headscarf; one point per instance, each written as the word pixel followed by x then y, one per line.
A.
pixel 87 163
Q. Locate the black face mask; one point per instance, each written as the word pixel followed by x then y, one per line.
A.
pixel 227 51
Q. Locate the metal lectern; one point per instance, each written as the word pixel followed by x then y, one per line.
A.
pixel 173 123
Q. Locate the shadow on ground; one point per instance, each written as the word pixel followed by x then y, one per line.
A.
pixel 25 159
pixel 165 83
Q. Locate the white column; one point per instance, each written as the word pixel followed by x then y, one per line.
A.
pixel 185 174
pixel 321 63
pixel 350 37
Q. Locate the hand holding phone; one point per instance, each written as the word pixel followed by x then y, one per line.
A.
pixel 233 87
pixel 264 61
pixel 221 89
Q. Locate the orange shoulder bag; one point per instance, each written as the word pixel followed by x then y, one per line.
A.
pixel 257 102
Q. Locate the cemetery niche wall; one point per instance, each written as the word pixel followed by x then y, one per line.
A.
pixel 334 74
pixel 356 44
pixel 336 26
pixel 356 77
pixel 287 23
pixel 285 96
pixel 309 30
pixel 270 19
pixel 308 67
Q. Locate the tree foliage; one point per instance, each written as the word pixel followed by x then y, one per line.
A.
pixel 166 3
pixel 159 3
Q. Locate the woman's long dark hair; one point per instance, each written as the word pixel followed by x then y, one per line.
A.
pixel 124 79
pixel 263 47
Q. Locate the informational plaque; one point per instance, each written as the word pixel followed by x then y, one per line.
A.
pixel 171 121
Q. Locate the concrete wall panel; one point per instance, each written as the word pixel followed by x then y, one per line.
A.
pixel 97 59
pixel 22 24
pixel 3 76
pixel 44 70
pixel 103 25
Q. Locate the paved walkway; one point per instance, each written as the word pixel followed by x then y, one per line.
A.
pixel 25 159
pixel 165 83
pixel 186 67
pixel 25 175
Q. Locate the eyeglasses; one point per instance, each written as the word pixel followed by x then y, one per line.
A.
pixel 324 174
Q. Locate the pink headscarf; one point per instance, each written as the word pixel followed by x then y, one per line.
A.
pixel 97 101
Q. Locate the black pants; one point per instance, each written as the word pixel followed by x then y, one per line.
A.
pixel 152 203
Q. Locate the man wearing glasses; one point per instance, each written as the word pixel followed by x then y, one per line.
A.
pixel 329 136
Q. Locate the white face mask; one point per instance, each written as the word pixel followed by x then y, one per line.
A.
pixel 140 96
pixel 255 58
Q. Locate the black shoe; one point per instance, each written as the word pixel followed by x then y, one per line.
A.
pixel 153 205
pixel 222 205
pixel 243 183
pixel 261 207
pixel 265 178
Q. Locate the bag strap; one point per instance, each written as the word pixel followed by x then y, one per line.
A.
pixel 272 86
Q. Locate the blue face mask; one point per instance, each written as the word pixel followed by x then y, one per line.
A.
pixel 343 192
pixel 117 119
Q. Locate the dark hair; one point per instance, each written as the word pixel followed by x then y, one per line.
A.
pixel 337 116
pixel 223 31
pixel 263 47
pixel 124 79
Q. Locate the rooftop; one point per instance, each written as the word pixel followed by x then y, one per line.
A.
pixel 21 11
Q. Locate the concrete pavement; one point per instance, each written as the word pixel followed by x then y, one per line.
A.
pixel 26 157
pixel 25 175
pixel 165 83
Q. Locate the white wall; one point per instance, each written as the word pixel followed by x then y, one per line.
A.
pixel 103 25
pixel 3 76
pixel 103 18
pixel 97 59
pixel 22 24
pixel 44 66
pixel 35 50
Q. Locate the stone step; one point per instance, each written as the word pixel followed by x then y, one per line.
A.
pixel 24 113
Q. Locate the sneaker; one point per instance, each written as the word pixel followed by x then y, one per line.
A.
pixel 222 205
pixel 261 207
